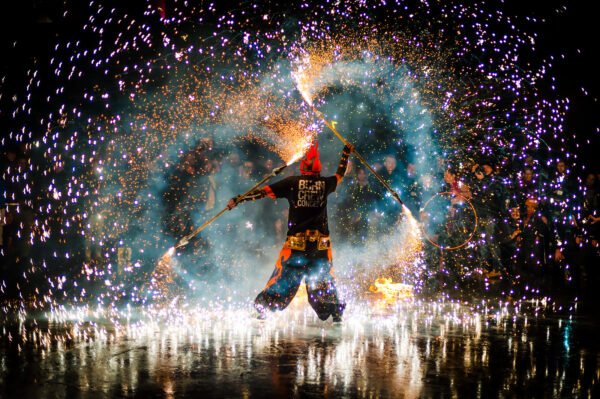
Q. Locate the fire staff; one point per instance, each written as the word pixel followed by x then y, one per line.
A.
pixel 306 253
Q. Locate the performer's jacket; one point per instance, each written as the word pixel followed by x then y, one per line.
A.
pixel 307 196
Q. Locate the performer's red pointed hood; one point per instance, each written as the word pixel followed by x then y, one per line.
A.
pixel 311 164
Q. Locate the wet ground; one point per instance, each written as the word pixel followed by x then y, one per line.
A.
pixel 406 350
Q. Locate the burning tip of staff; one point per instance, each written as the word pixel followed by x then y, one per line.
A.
pixel 411 219
pixel 166 258
pixel 295 157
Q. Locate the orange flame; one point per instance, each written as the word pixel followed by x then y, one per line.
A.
pixel 390 291
pixel 301 298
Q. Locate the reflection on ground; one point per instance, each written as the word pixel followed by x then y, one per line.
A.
pixel 409 349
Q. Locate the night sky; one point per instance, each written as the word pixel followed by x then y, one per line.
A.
pixel 30 28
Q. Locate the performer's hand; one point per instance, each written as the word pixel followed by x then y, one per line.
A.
pixel 231 204
pixel 348 148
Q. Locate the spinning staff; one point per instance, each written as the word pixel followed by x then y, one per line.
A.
pixel 185 240
pixel 331 126
pixel 408 213
pixel 163 265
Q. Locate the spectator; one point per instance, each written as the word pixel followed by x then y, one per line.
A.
pixel 388 205
pixel 511 240
pixel 266 167
pixel 390 172
pixel 247 173
pixel 532 246
pixel 209 189
pixel 357 208
pixel 457 224
pixel 591 208
pixel 527 185
pixel 587 255
pixel 412 188
pixel 488 201
pixel 559 196
pixel 560 205
pixel 230 172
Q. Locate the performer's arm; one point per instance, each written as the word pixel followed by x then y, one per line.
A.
pixel 253 196
pixel 343 165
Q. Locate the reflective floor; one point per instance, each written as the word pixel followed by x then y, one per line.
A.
pixel 409 350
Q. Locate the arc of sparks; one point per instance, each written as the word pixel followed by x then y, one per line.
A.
pixel 331 126
pixel 303 84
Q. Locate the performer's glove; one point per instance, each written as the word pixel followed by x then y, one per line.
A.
pixel 233 202
pixel 343 165
pixel 253 196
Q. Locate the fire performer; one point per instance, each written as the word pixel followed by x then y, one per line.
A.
pixel 306 253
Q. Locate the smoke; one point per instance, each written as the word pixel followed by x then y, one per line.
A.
pixel 153 169
pixel 395 249
pixel 179 162
pixel 378 108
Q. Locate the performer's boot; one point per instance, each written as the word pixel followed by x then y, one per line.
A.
pixel 337 314
pixel 261 312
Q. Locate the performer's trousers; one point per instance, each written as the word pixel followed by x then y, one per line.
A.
pixel 292 266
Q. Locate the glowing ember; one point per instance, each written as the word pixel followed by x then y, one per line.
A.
pixel 308 68
pixel 291 138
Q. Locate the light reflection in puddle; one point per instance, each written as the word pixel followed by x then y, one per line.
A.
pixel 411 349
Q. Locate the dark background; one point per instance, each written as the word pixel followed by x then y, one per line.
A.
pixel 29 29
